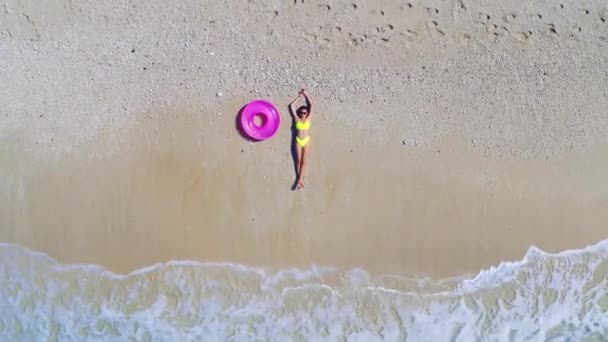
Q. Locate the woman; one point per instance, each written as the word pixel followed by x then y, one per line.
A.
pixel 301 118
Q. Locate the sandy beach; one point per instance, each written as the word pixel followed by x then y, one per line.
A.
pixel 449 136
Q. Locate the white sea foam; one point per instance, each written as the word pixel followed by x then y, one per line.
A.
pixel 543 297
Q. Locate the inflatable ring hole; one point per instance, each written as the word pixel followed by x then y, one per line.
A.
pixel 259 119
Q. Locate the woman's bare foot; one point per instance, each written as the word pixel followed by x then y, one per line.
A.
pixel 300 184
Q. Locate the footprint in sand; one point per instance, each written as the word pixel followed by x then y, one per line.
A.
pixel 575 32
pixel 432 11
pixel 483 18
pixel 509 18
pixel 325 42
pixel 322 42
pixel 551 30
pixel 497 31
pixel 385 32
pixel 522 36
pixel 355 39
pixel 310 37
pixel 461 5
pixel 385 29
pixel 409 33
pixel 435 30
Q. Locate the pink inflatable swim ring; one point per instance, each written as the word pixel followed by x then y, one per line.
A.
pixel 267 114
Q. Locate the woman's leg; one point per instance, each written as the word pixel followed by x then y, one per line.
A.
pixel 303 162
pixel 298 149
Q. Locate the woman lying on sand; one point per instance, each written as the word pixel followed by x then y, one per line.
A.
pixel 301 118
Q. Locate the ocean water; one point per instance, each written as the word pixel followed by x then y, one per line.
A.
pixel 543 297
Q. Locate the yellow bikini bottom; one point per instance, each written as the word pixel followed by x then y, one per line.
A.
pixel 303 141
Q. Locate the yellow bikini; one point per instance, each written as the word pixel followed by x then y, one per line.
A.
pixel 302 126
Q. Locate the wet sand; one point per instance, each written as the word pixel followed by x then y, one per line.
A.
pixel 441 211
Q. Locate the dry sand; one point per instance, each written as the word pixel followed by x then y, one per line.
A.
pixel 450 135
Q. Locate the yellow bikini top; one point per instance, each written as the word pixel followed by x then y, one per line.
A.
pixel 301 126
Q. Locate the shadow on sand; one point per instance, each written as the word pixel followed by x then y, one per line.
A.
pixel 292 145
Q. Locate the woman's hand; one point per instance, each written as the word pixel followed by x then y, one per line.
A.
pixel 303 92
